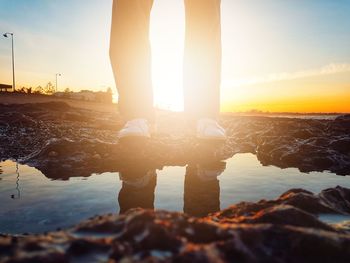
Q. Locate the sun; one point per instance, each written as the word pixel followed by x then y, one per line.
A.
pixel 167 79
pixel 167 30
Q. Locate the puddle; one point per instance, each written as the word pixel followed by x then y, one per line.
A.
pixel 333 219
pixel 32 203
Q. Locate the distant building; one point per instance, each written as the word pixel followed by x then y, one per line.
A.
pixel 5 87
pixel 83 95
pixel 61 94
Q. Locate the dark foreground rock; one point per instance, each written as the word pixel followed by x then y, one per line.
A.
pixel 281 230
pixel 78 142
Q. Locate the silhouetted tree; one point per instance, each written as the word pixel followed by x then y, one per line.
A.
pixel 49 88
pixel 22 90
pixel 39 90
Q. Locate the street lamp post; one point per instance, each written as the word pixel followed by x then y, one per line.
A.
pixel 57 74
pixel 13 61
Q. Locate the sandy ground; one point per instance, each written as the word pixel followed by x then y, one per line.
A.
pixel 9 98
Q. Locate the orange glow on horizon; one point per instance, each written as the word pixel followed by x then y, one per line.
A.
pixel 317 104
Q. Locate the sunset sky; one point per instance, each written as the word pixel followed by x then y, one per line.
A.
pixel 277 55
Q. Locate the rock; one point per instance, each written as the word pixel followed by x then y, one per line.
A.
pixel 345 117
pixel 96 156
pixel 329 201
pixel 53 154
pixel 341 145
pixel 303 134
pixel 338 198
pixel 286 215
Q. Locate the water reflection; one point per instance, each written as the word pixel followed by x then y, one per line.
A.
pixel 191 186
pixel 18 191
pixel 17 194
pixel 201 187
pixel 137 189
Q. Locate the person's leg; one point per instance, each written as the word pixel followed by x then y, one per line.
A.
pixel 201 190
pixel 130 55
pixel 202 58
pixel 137 192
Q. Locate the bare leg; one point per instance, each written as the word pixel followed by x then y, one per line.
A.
pixel 130 55
pixel 202 58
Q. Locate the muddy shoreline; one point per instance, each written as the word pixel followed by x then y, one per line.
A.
pixel 78 142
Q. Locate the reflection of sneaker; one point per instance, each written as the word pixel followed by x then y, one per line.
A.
pixel 135 128
pixel 140 182
pixel 209 129
pixel 208 174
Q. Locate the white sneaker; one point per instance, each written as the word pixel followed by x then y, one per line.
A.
pixel 140 182
pixel 209 129
pixel 135 128
pixel 206 174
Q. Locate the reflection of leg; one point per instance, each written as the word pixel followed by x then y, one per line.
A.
pixel 137 192
pixel 130 55
pixel 202 191
pixel 202 59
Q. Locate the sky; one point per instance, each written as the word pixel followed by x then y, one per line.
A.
pixel 277 55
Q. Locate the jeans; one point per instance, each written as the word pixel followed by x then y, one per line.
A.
pixel 130 55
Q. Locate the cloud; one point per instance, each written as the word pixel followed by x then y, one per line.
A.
pixel 332 68
pixel 329 69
